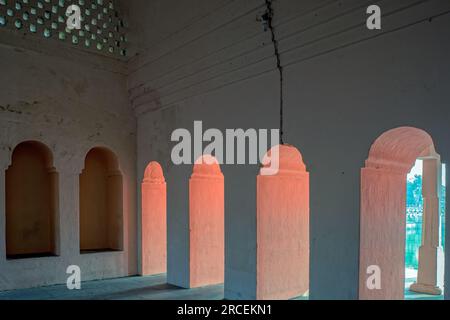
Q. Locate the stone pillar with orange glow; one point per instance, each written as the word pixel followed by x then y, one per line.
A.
pixel 382 241
pixel 283 228
pixel 206 224
pixel 383 207
pixel 154 221
pixel 430 277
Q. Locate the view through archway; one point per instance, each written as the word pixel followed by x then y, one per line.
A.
pixel 415 225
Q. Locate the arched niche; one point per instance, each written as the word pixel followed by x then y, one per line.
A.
pixel 383 207
pixel 283 226
pixel 101 203
pixel 206 223
pixel 154 221
pixel 32 202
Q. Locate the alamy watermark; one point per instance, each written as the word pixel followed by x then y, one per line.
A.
pixel 73 14
pixel 74 280
pixel 374 20
pixel 374 277
pixel 234 146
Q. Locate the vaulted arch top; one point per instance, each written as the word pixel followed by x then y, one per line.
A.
pixel 398 149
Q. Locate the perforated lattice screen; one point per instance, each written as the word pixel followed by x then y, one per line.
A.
pixel 102 28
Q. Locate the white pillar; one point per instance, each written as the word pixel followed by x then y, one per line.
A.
pixel 430 278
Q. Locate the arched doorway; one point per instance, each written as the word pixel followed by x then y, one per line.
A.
pixel 383 208
pixel 31 202
pixel 154 221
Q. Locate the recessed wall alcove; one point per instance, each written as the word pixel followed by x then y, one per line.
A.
pixel 31 196
pixel 101 203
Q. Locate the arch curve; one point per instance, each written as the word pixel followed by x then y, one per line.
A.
pixel 40 147
pixel 398 149
pixel 110 158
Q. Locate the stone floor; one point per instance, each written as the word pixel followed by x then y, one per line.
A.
pixel 131 288
pixel 140 288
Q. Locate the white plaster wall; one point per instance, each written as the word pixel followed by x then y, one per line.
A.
pixel 345 86
pixel 71 107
